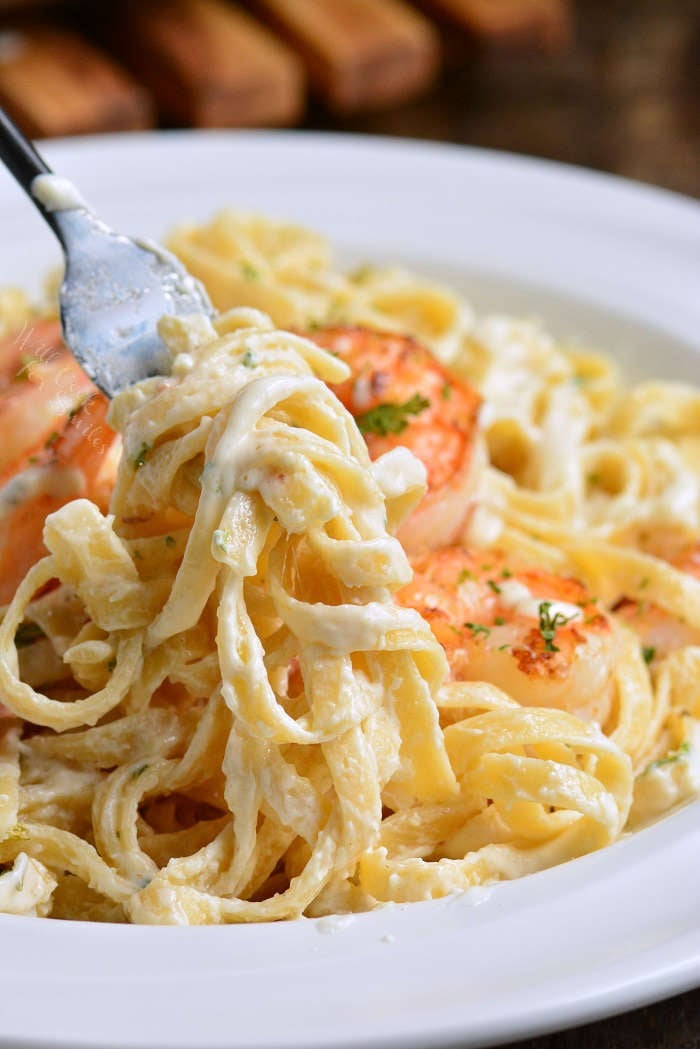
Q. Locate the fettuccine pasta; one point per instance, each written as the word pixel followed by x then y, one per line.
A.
pixel 227 698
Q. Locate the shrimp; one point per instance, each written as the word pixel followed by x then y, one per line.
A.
pixel 40 382
pixel 659 631
pixel 81 461
pixel 540 637
pixel 401 395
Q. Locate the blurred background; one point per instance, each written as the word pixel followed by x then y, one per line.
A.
pixel 610 84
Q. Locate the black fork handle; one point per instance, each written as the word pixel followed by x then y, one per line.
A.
pixel 24 162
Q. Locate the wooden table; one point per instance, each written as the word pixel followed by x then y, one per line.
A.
pixel 625 100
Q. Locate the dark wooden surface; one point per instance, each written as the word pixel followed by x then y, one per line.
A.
pixel 625 99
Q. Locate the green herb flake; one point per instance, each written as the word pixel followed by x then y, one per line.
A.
pixel 248 360
pixel 593 479
pixel 51 439
pixel 503 648
pixel 140 457
pixel 76 408
pixel 112 665
pixel 27 634
pixel 643 583
pixel 478 628
pixel 139 770
pixel 170 540
pixel 463 576
pixel 361 273
pixel 222 538
pixel 670 759
pixel 446 392
pixel 506 574
pixel 493 585
pixel 249 271
pixel 648 653
pixel 549 624
pixel 499 621
pixel 388 418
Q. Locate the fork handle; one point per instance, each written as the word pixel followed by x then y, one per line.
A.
pixel 24 162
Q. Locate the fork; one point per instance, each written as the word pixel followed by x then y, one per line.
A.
pixel 115 288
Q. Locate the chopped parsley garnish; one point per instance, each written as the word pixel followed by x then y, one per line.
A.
pixel 549 624
pixel 27 633
pixel 139 771
pixel 648 653
pixel 670 759
pixel 643 583
pixel 170 540
pixel 464 575
pixel 478 628
pixel 249 271
pixel 51 439
pixel 446 392
pixel 361 273
pixel 493 586
pixel 594 479
pixel 248 360
pixel 499 621
pixel 140 457
pixel 506 574
pixel 390 418
pixel 27 360
pixel 76 408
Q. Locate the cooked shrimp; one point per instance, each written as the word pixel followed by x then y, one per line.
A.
pixel 400 395
pixel 540 637
pixel 80 461
pixel 40 382
pixel 659 631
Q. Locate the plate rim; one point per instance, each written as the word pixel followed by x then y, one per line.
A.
pixel 645 988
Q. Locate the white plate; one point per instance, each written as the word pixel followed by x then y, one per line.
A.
pixel 597 258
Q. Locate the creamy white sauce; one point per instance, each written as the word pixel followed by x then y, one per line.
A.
pixel 517 596
pixel 334 923
pixel 26 888
pixel 398 471
pixel 56 193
